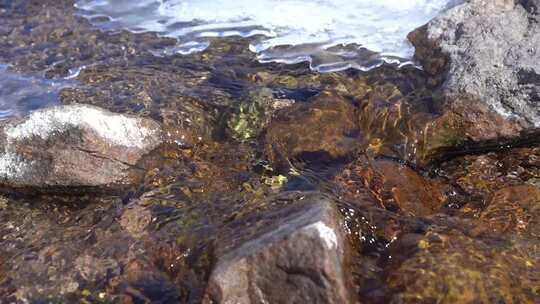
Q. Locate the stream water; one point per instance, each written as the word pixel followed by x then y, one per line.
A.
pixel 20 94
pixel 261 103
pixel 332 35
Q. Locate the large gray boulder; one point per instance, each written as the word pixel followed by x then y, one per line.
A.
pixel 296 255
pixel 490 50
pixel 74 146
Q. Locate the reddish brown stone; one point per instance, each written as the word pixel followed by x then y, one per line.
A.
pixel 398 127
pixel 395 186
pixel 482 175
pixel 327 126
pixel 513 209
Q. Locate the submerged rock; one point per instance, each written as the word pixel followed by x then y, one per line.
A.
pixel 74 146
pixel 514 209
pixel 326 127
pixel 250 116
pixel 450 267
pixel 406 127
pixel 487 50
pixel 395 187
pixel 294 255
pixel 482 175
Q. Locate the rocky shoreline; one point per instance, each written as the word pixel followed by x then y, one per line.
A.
pixel 213 178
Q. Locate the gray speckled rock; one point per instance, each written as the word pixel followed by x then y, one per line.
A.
pixel 74 146
pixel 489 49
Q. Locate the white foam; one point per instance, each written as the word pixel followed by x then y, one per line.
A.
pixel 318 26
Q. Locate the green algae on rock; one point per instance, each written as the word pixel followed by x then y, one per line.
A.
pixel 250 117
pixel 450 267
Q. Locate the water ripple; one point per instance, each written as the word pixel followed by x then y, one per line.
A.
pixel 330 34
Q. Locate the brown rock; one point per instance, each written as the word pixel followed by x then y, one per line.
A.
pixel 403 127
pixel 514 209
pixel 147 285
pixel 136 219
pixel 395 186
pixel 482 175
pixel 450 267
pixel 324 127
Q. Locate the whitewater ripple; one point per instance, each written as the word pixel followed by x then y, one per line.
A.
pixel 330 34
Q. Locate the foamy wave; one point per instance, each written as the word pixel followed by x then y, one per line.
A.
pixel 330 34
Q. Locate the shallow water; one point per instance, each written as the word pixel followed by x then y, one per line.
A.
pixel 21 94
pixel 416 232
pixel 332 34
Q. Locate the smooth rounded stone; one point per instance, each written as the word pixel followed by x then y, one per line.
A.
pixel 325 127
pixel 293 255
pixel 74 146
pixel 487 50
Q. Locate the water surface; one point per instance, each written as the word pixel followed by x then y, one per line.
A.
pixel 330 34
pixel 21 94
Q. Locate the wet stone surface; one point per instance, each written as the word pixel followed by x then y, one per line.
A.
pixel 370 187
pixel 75 146
pixel 294 254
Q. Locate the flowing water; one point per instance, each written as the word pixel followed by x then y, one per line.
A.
pixel 21 94
pixel 262 102
pixel 332 35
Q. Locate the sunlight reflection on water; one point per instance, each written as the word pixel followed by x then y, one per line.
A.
pixel 330 34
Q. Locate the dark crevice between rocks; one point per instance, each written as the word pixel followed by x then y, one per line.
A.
pixel 300 95
pixel 528 77
pixel 71 193
pixel 497 145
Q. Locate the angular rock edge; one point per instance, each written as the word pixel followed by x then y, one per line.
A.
pixel 299 260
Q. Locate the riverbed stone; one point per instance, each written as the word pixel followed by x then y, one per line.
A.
pixel 487 50
pixel 324 127
pixel 514 209
pixel 450 267
pixel 293 255
pixel 75 146
pixel 482 175
pixel 422 129
pixel 395 186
